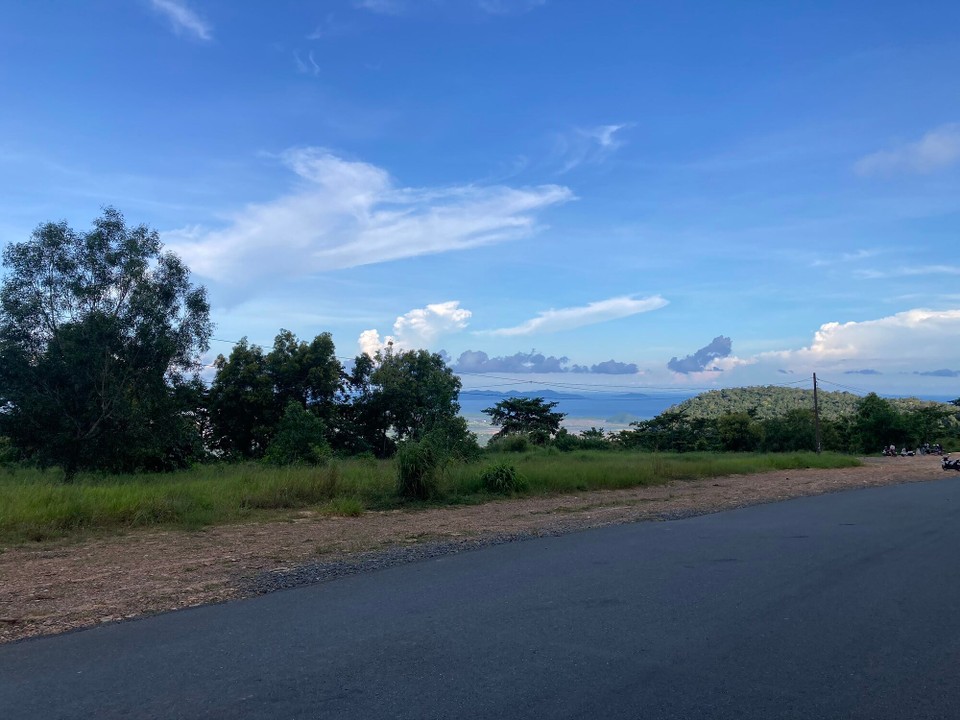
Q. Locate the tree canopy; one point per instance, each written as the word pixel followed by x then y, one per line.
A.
pixel 526 416
pixel 100 338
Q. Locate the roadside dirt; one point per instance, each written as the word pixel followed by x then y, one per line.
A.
pixel 53 587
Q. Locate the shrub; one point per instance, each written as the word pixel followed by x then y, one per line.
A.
pixel 344 507
pixel 8 453
pixel 417 470
pixel 299 439
pixel 502 479
pixel 565 441
pixel 510 443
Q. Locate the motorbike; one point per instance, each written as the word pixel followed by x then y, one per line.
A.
pixel 948 464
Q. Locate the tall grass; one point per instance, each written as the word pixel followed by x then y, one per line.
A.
pixel 36 505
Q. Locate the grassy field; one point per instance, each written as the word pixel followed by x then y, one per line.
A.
pixel 36 505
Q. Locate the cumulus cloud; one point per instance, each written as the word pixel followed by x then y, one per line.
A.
pixel 936 150
pixel 347 213
pixel 595 312
pixel 587 145
pixel 477 361
pixel 418 328
pixel 704 359
pixel 907 338
pixel 612 367
pixel 182 18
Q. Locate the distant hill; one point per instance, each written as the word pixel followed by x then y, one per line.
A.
pixel 772 402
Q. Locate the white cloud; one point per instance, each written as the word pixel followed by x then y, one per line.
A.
pixel 347 213
pixel 938 149
pixel 908 271
pixel 303 67
pixel 370 343
pixel 591 314
pixel 419 328
pixel 587 145
pixel 183 18
pixel 912 336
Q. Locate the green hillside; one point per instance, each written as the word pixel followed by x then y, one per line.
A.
pixel 769 402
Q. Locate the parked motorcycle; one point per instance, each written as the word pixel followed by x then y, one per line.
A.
pixel 948 464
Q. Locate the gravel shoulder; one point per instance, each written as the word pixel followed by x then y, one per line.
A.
pixel 50 588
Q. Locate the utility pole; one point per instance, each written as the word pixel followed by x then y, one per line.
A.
pixel 816 413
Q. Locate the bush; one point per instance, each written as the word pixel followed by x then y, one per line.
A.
pixel 565 441
pixel 8 453
pixel 510 443
pixel 502 479
pixel 417 470
pixel 300 439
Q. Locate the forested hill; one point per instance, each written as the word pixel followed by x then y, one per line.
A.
pixel 773 402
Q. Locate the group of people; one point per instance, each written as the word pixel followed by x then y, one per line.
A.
pixel 925 449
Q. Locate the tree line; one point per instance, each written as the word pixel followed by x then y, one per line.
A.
pixel 101 339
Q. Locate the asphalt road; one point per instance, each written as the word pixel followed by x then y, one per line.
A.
pixel 838 606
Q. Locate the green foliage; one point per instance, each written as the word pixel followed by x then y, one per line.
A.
pixel 395 396
pixel 877 423
pixel 308 374
pixel 300 439
pixel 417 470
pixel 564 441
pixel 344 507
pixel 594 439
pixel 243 411
pixel 416 392
pixel 502 479
pixel 8 453
pixel 98 333
pixel 738 432
pixel 533 417
pixel 768 402
pixel 35 505
pixel 510 443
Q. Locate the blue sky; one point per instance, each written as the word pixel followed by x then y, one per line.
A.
pixel 613 194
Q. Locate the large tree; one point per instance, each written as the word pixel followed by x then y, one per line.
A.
pixel 527 416
pixel 243 409
pixel 100 333
pixel 399 395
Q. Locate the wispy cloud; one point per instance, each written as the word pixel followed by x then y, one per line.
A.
pixel 419 328
pixel 587 145
pixel 908 271
pixel 846 257
pixel 183 18
pixel 596 312
pixel 936 150
pixel 308 67
pixel 348 213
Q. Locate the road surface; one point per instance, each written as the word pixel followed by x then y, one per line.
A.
pixel 837 606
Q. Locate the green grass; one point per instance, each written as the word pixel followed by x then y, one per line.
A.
pixel 36 505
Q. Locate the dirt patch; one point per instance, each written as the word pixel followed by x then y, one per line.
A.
pixel 53 587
